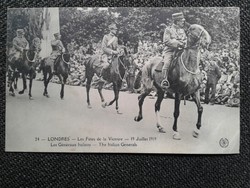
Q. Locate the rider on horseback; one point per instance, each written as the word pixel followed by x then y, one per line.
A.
pixel 174 38
pixel 57 49
pixel 19 44
pixel 109 48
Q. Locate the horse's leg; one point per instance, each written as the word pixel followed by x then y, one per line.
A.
pixel 45 82
pixel 196 97
pixel 15 80
pixel 24 83
pixel 176 134
pixel 160 96
pixel 140 103
pixel 11 80
pixel 100 86
pixel 30 84
pixel 62 87
pixel 119 85
pixel 114 89
pixel 89 79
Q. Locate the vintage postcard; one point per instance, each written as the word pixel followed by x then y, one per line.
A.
pixel 123 80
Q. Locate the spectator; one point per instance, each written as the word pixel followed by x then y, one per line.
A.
pixel 234 99
pixel 213 75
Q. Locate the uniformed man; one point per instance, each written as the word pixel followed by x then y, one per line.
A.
pixel 57 49
pixel 213 75
pixel 174 38
pixel 109 48
pixel 19 44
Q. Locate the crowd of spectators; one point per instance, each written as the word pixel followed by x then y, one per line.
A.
pixel 227 59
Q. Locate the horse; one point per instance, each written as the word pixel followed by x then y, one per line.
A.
pixel 115 74
pixel 62 69
pixel 26 66
pixel 184 78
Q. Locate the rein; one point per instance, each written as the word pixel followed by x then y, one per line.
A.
pixel 64 60
pixel 126 70
pixel 191 72
pixel 32 61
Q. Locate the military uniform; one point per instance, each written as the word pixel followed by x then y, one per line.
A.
pixel 173 38
pixel 19 44
pixel 109 49
pixel 213 75
pixel 109 44
pixel 57 49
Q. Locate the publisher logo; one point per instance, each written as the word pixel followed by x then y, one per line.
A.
pixel 224 142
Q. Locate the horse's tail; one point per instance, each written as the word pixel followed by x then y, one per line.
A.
pixel 137 83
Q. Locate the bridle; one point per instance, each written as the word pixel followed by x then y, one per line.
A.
pixel 126 70
pixel 65 61
pixel 198 45
pixel 198 41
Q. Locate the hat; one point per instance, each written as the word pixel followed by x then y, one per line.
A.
pixel 57 35
pixel 178 16
pixel 112 26
pixel 20 31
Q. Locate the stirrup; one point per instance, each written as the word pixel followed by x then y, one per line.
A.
pixel 165 84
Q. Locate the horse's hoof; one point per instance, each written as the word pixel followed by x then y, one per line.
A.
pixel 176 136
pixel 89 106
pixel 196 133
pixel 31 98
pixel 12 94
pixel 46 95
pixel 104 105
pixel 118 112
pixel 137 118
pixel 160 129
pixel 20 92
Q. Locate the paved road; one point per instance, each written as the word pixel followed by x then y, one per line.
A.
pixel 52 117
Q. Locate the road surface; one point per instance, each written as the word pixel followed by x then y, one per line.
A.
pixel 31 125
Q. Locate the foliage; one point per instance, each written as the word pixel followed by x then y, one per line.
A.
pixel 87 25
pixel 29 19
pixel 144 23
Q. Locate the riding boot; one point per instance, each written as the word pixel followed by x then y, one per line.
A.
pixel 165 83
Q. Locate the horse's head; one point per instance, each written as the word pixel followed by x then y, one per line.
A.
pixel 197 36
pixel 126 57
pixel 29 57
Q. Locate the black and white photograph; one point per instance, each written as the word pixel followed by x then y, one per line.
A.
pixel 123 80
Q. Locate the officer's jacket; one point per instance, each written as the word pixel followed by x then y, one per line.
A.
pixel 109 44
pixel 213 73
pixel 172 37
pixel 20 43
pixel 57 46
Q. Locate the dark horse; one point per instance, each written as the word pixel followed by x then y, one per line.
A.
pixel 62 69
pixel 184 78
pixel 26 66
pixel 115 74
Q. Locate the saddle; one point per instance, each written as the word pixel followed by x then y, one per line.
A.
pixel 173 62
